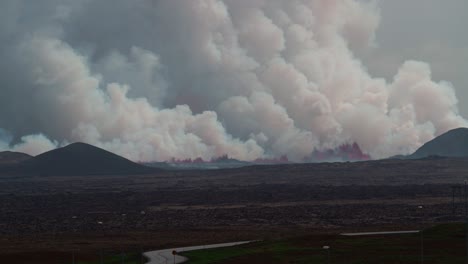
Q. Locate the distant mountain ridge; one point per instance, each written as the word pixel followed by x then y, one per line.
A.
pixel 453 143
pixel 82 159
pixel 79 159
pixel 10 157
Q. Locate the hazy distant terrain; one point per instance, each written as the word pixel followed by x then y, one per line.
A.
pixel 58 200
pixel 58 214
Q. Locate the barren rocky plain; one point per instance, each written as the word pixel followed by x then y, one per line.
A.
pixel 44 218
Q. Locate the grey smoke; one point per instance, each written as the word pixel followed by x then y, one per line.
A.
pixel 155 80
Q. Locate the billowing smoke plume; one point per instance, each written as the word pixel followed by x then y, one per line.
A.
pixel 162 79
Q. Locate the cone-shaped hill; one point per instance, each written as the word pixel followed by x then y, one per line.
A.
pixel 453 143
pixel 9 157
pixel 81 159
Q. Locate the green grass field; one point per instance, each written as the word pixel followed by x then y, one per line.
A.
pixel 133 258
pixel 444 244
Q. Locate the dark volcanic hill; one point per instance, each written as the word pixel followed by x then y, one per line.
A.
pixel 81 159
pixel 9 157
pixel 453 143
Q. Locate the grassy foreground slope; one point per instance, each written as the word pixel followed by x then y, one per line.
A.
pixel 442 244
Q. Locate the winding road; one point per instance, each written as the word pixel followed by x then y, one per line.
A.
pixel 165 256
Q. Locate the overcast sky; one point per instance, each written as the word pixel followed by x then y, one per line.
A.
pixel 429 30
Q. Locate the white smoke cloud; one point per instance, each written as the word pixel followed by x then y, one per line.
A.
pixel 31 144
pixel 107 117
pixel 204 78
pixel 34 145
